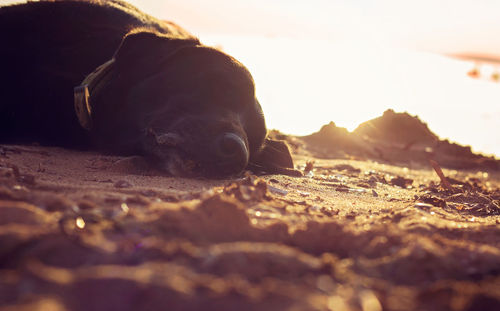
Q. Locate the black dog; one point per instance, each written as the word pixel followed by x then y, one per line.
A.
pixel 153 90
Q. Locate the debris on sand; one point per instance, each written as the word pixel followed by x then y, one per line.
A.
pixel 401 182
pixel 444 182
pixel 277 190
pixel 309 167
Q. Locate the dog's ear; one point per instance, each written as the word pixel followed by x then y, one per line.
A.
pixel 141 48
pixel 274 158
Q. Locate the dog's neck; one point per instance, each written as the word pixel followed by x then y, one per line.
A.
pixel 91 86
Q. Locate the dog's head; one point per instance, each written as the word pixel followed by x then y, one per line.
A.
pixel 190 107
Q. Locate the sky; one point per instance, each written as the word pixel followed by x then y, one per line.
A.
pixel 437 25
pixel 347 61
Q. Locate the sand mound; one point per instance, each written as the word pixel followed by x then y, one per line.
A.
pixel 397 139
pixel 397 128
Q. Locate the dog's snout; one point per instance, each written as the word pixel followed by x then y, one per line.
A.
pixel 230 145
pixel 232 151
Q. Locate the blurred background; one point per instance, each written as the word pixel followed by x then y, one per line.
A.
pixel 347 61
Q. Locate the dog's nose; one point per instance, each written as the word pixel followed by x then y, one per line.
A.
pixel 232 151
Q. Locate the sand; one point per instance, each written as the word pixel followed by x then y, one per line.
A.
pixel 86 231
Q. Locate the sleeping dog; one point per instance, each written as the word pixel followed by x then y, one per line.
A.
pixel 101 74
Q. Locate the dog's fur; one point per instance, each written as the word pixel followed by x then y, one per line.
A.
pixel 186 106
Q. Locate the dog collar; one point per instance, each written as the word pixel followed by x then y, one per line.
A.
pixel 92 84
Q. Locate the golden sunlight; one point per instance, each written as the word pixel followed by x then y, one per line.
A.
pixel 137 172
pixel 303 85
pixel 343 61
pixel 320 61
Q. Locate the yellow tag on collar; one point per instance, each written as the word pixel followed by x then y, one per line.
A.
pixel 82 106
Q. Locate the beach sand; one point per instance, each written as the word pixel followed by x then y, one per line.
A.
pixel 86 231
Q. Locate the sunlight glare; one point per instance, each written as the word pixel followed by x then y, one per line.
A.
pixel 304 84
